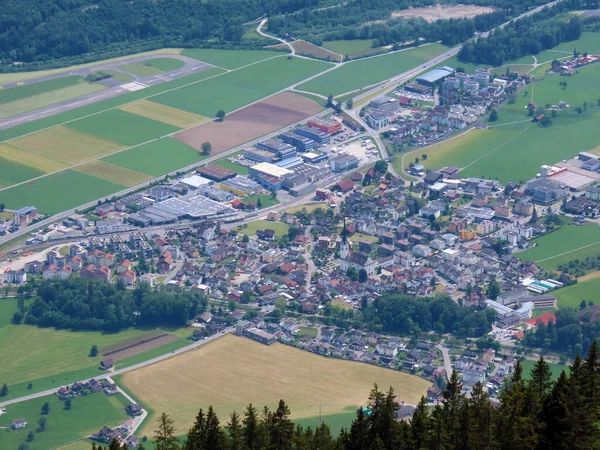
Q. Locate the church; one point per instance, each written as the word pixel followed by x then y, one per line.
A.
pixel 349 258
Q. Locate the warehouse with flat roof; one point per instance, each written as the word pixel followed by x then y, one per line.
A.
pixel 268 175
pixel 303 144
pixel 434 76
pixel 215 172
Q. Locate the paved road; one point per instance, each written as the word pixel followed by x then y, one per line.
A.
pixel 192 346
pixel 447 363
pixel 115 89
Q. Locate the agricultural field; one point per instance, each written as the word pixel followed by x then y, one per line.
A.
pixel 30 100
pixel 555 369
pixel 349 46
pixel 12 172
pixel 29 90
pixel 234 90
pixel 571 296
pixel 156 158
pixel 229 59
pixel 112 173
pixel 165 114
pixel 50 358
pixel 88 414
pixel 58 192
pixel 369 71
pixel 151 67
pixel 122 127
pixel 309 49
pixel 260 374
pixel 563 245
pixel 250 229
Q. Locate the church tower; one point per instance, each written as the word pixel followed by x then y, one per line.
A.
pixel 345 246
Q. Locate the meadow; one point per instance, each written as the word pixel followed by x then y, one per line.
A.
pixel 122 127
pixel 555 369
pixel 554 248
pixel 165 114
pixel 152 66
pixel 58 192
pixel 365 72
pixel 571 296
pixel 260 374
pixel 234 90
pixel 346 47
pixel 157 157
pixel 229 59
pixel 88 414
pixel 250 229
pixel 31 89
pixel 112 173
pixel 12 172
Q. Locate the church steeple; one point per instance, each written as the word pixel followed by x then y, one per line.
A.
pixel 345 246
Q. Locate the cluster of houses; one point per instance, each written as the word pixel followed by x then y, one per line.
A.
pixel 568 67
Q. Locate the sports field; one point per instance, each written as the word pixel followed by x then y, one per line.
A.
pixel 229 59
pixel 368 71
pixel 58 192
pixel 113 173
pixel 88 414
pixel 122 127
pixel 571 296
pixel 165 114
pixel 156 158
pixel 52 92
pixel 233 371
pixel 152 66
pixel 563 245
pixel 236 89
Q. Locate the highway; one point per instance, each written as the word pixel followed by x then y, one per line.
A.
pixel 111 373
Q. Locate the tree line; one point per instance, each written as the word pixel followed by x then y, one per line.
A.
pixel 93 305
pixel 530 414
pixel 527 36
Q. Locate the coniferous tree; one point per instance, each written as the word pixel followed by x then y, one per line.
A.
pixel 250 428
pixel 164 435
pixel 357 437
pixel 235 432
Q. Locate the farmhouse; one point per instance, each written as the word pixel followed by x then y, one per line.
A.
pixel 19 424
pixel 106 363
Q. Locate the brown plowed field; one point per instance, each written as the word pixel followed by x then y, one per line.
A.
pixel 129 342
pixel 141 347
pixel 251 122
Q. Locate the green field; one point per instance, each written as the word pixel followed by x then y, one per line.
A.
pixel 280 228
pixel 334 421
pixel 88 414
pixel 8 306
pixel 58 192
pixel 588 42
pixel 348 46
pixel 265 200
pixel 556 369
pixel 229 59
pixel 571 296
pixel 12 172
pixel 122 127
pixel 368 71
pixel 31 89
pixel 152 66
pixel 157 158
pixel 29 100
pixel 237 89
pixel 561 246
pixel 31 127
pixel 223 162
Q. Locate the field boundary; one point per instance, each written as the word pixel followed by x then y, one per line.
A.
pixel 127 347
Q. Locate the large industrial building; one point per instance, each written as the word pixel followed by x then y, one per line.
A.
pixel 280 148
pixel 313 133
pixel 434 76
pixel 303 144
pixel 342 163
pixel 173 209
pixel 329 126
pixel 216 173
pixel 259 155
pixel 268 175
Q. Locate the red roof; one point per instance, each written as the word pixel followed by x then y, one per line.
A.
pixel 345 185
pixel 544 319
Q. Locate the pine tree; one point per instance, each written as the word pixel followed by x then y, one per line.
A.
pixel 541 378
pixel 555 416
pixel 250 427
pixel 420 425
pixel 322 439
pixel 234 430
pixel 196 437
pixel 4 390
pixel 215 437
pixel 282 428
pixel 357 438
pixel 164 435
pixel 480 411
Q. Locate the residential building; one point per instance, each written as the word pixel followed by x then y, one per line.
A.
pixel 16 276
pixel 25 215
pixel 109 226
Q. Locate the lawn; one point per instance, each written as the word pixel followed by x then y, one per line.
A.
pixel 240 88
pixel 157 158
pixel 588 42
pixel 88 414
pixel 369 71
pixel 229 59
pixel 346 47
pixel 31 89
pixel 561 246
pixel 571 296
pixel 122 127
pixel 12 172
pixel 250 228
pixel 260 374
pixel 152 66
pixel 307 331
pixel 166 114
pixel 8 306
pixel 308 208
pixel 48 97
pixel 265 200
pixel 58 192
pixel 556 369
pixel 224 162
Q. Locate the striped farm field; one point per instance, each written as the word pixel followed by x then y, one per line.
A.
pixel 39 162
pixel 163 113
pixel 58 192
pixel 114 174
pixel 122 127
pixel 12 173
pixel 65 145
pixel 157 158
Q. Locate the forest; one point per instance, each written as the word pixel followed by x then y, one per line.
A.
pixel 527 36
pixel 531 414
pixel 405 314
pixel 92 305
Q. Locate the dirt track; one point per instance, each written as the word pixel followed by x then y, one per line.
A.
pixel 438 12
pixel 250 123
